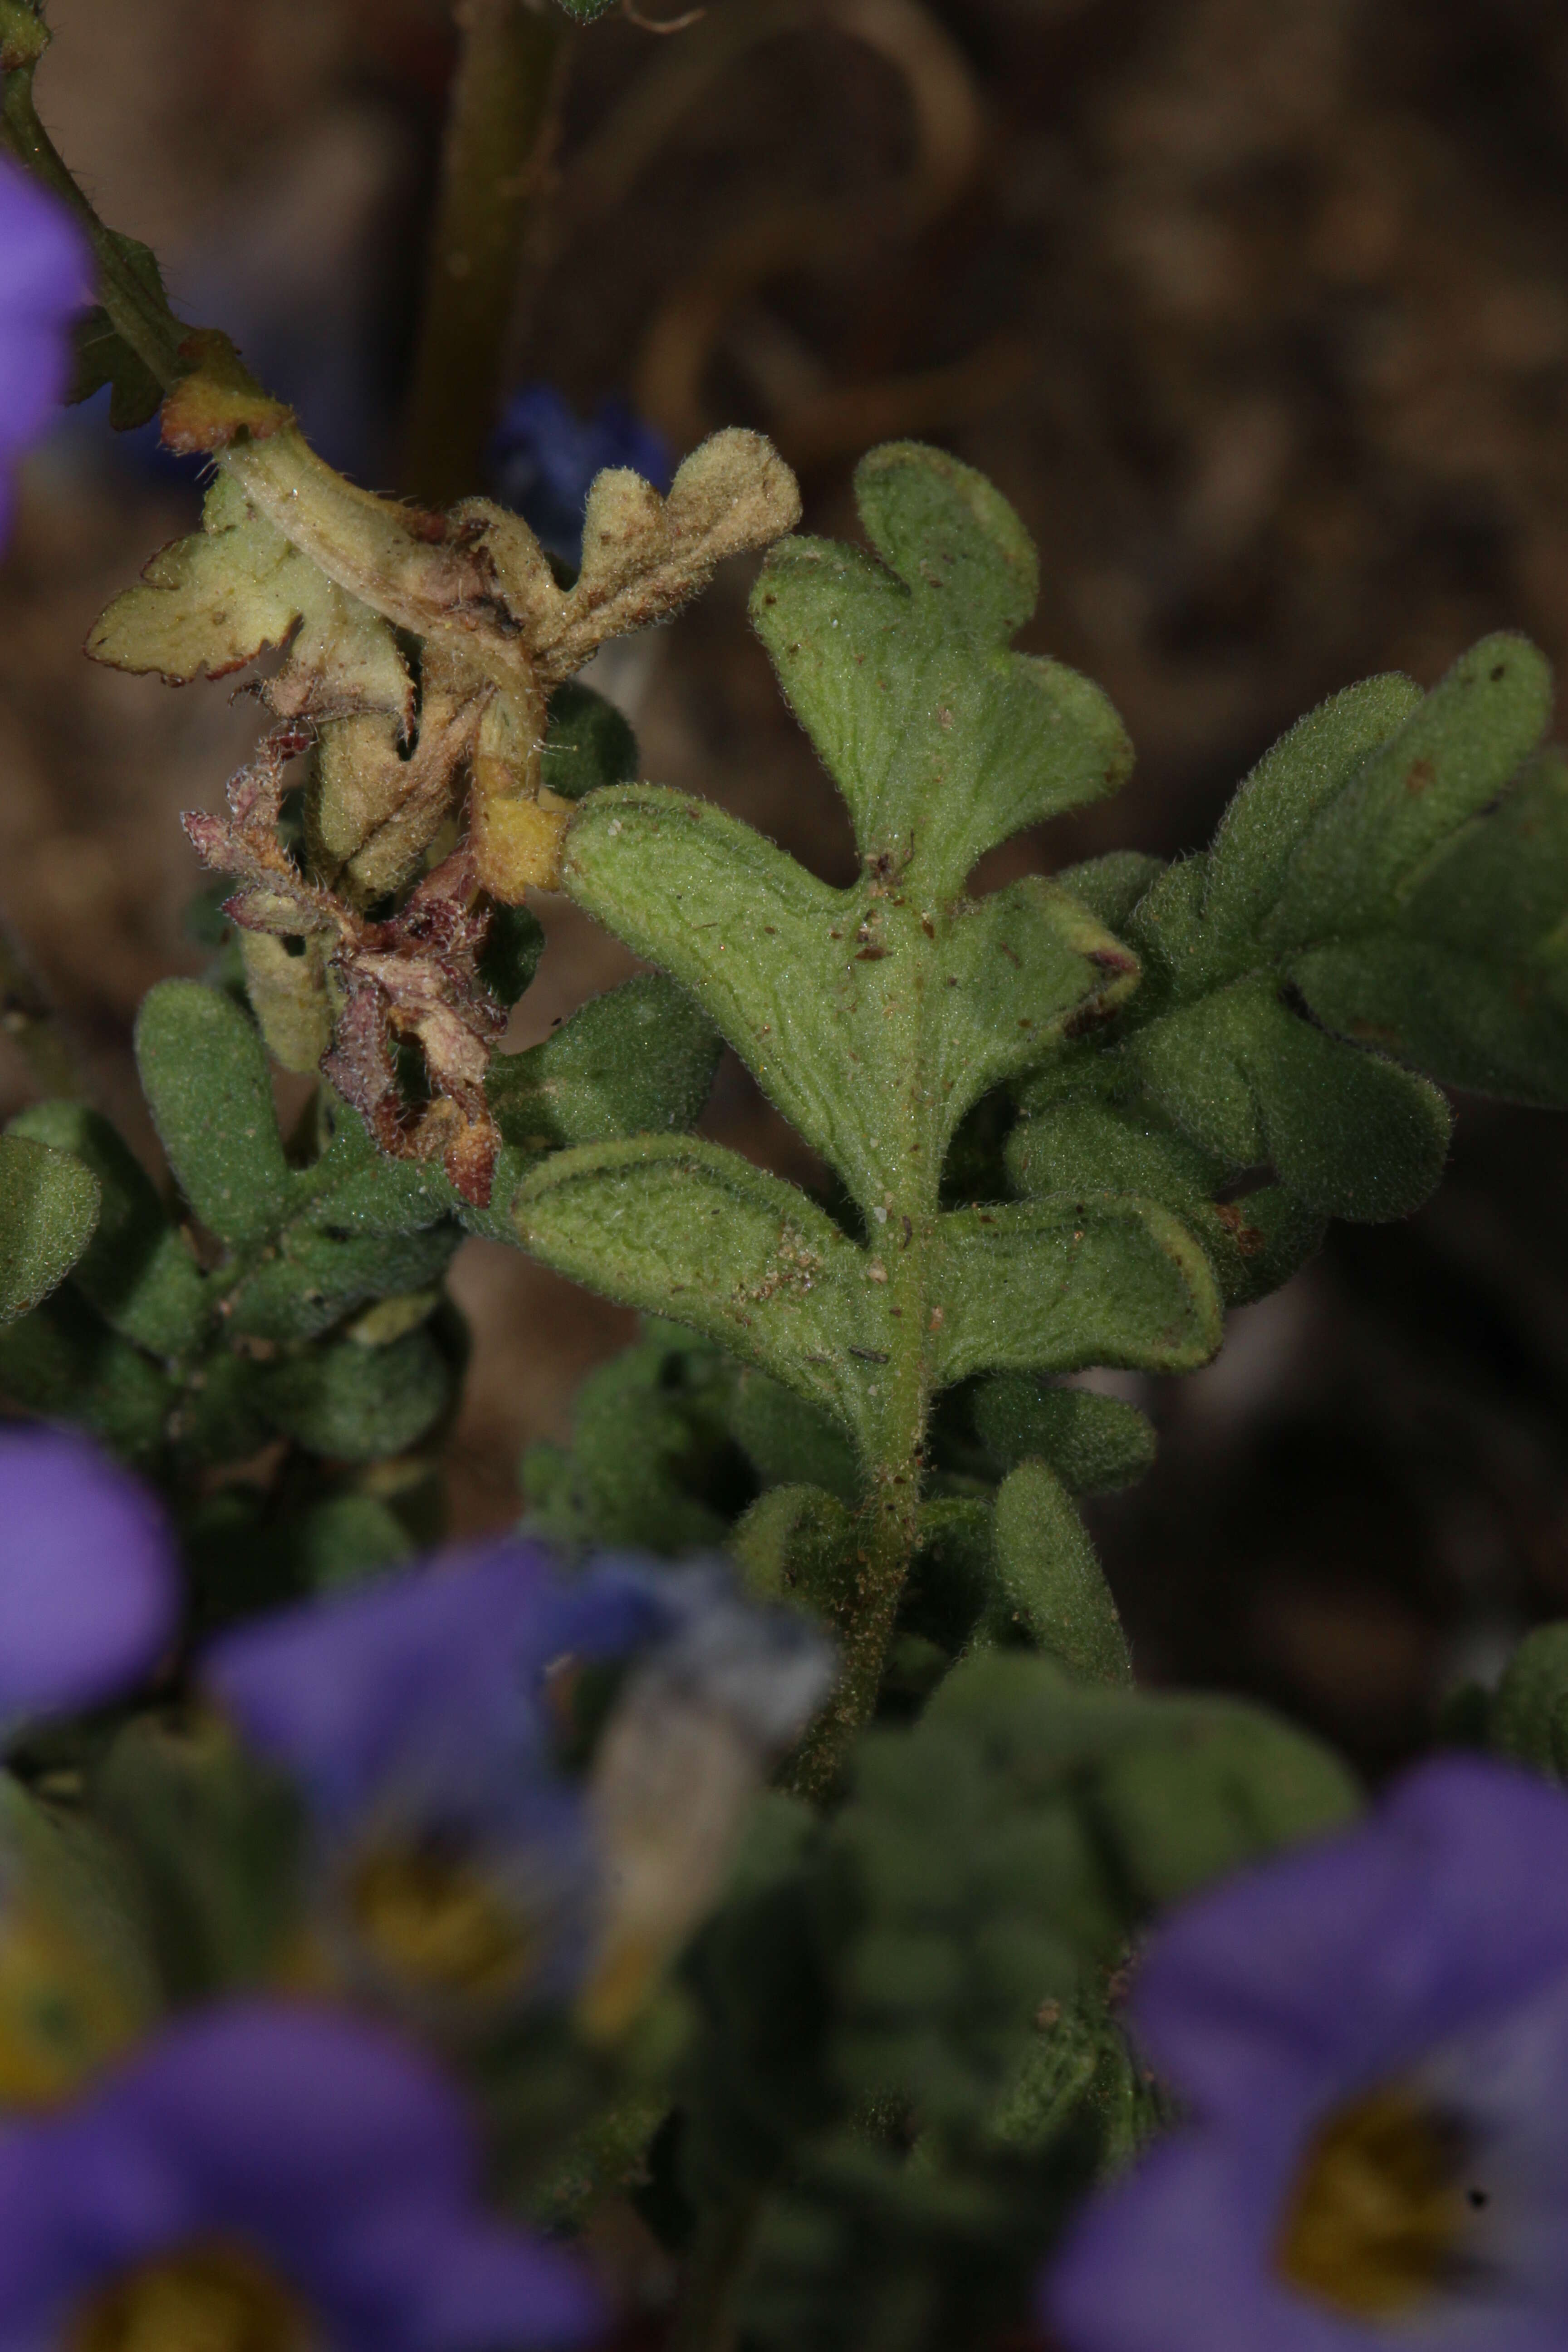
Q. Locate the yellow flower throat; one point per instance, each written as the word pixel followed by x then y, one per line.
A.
pixel 214 2297
pixel 1376 2225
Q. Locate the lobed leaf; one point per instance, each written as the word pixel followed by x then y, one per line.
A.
pixel 680 1228
pixel 873 1020
pixel 214 602
pixel 942 742
pixel 1054 1285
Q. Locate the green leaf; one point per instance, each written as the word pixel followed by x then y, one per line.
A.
pixel 648 1445
pixel 1216 1786
pixel 1050 1588
pixel 1092 1443
pixel 216 1844
pixel 1473 985
pixel 1459 749
pixel 358 1403
pixel 63 1362
pixel 315 1278
pixel 871 1019
pixel 1350 1134
pixel 509 958
pixel 137 1271
pixel 48 1208
pixel 1055 1286
pixel 1264 825
pixel 1111 885
pixel 104 357
pixel 588 743
pixel 1253 1243
pixel 638 1060
pixel 683 1229
pixel 797 1544
pixel 790 1443
pixel 346 1538
pixel 221 1416
pixel 204 1071
pixel 356 1190
pixel 1379 881
pixel 942 742
pixel 1529 1714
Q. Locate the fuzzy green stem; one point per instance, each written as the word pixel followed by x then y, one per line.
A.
pixel 499 131
pixel 889 1521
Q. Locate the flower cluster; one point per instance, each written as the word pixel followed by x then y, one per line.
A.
pixel 285 2172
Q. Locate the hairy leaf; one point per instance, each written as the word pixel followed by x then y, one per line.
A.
pixel 137 1271
pixel 48 1208
pixel 942 742
pixel 1050 1586
pixel 204 1071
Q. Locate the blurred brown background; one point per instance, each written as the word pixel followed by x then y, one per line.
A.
pixel 1260 314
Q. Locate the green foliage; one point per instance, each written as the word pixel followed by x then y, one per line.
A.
pixel 908 2033
pixel 1381 901
pixel 876 1016
pixel 588 743
pixel 49 1207
pixel 215 1843
pixel 1528 1717
pixel 648 1439
pixel 1092 1443
pixel 670 1442
pixel 289 1293
pixel 640 1058
pixel 104 357
pixel 1050 1581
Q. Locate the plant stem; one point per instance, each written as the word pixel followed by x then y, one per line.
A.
pixel 499 130
pixel 890 1519
pixel 133 299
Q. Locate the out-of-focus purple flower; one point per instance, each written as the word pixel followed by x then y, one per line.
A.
pixel 544 457
pixel 421 1717
pixel 45 276
pixel 1371 2039
pixel 269 2175
pixel 88 1584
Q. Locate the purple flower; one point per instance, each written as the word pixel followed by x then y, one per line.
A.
pixel 45 278
pixel 1372 2040
pixel 269 2175
pixel 428 1687
pixel 544 458
pixel 422 1717
pixel 88 1588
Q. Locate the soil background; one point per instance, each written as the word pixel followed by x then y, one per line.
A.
pixel 1259 315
